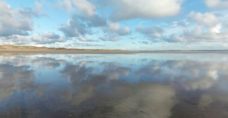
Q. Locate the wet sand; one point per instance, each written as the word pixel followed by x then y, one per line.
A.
pixel 114 86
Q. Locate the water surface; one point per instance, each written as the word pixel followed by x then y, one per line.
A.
pixel 114 86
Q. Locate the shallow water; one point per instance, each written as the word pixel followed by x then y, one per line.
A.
pixel 114 86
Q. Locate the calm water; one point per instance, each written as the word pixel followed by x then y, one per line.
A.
pixel 114 86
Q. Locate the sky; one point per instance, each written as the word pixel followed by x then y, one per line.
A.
pixel 116 24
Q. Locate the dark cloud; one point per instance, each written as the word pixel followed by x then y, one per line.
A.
pixel 152 33
pixel 48 38
pixel 82 25
pixel 74 28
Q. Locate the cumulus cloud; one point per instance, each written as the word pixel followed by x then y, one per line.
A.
pixel 48 37
pixel 13 21
pixel 170 33
pixel 117 28
pixel 130 9
pixel 153 33
pixel 197 27
pixel 73 28
pixel 209 20
pixel 206 27
pixel 194 37
pixel 81 25
pixel 114 20
pixel 85 6
pixel 44 38
pixel 217 3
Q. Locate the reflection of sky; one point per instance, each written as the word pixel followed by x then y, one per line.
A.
pixel 113 85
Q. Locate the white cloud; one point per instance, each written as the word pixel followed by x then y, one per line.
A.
pixel 208 20
pixel 14 21
pixel 217 3
pixel 204 27
pixel 84 6
pixel 117 28
pixel 197 28
pixel 129 9
pixel 45 38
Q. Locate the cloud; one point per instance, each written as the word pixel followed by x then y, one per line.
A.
pixel 117 28
pixel 84 6
pixel 115 20
pixel 48 37
pixel 38 9
pixel 194 37
pixel 14 22
pixel 73 28
pixel 45 38
pixel 170 33
pixel 145 9
pixel 203 27
pixel 81 25
pixel 208 20
pixel 153 33
pixel 217 3
pixel 198 27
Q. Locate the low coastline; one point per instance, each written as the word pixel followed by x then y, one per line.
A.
pixel 32 49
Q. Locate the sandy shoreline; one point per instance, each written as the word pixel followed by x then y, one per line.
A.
pixel 31 49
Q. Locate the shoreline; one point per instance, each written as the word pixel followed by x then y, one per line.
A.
pixel 112 52
pixel 45 50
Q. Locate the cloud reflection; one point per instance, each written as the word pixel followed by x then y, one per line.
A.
pixel 68 86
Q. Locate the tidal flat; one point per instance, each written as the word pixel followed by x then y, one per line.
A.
pixel 160 85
